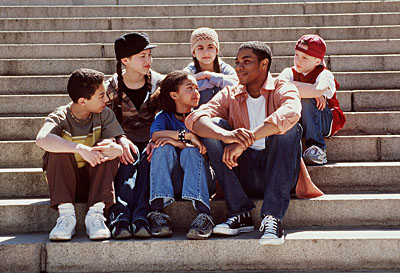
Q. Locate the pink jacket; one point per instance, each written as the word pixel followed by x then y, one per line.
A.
pixel 283 109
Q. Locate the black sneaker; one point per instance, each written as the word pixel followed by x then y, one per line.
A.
pixel 158 224
pixel 235 225
pixel 121 230
pixel 141 229
pixel 273 232
pixel 201 227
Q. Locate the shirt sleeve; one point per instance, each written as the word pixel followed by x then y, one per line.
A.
pixel 159 123
pixel 53 124
pixel 110 126
pixel 227 77
pixel 286 74
pixel 218 106
pixel 289 111
pixel 327 76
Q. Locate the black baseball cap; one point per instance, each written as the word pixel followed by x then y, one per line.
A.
pixel 131 43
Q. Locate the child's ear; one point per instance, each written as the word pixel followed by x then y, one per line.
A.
pixel 174 95
pixel 264 63
pixel 124 61
pixel 81 101
pixel 193 55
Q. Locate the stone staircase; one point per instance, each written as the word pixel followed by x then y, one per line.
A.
pixel 355 226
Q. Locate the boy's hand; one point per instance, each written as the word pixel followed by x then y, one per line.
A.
pixel 150 150
pixel 91 157
pixel 128 147
pixel 110 150
pixel 241 135
pixel 231 155
pixel 321 103
pixel 197 143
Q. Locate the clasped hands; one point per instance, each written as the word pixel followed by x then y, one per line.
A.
pixel 239 140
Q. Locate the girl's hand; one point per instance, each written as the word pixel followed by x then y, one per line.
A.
pixel 202 75
pixel 321 103
pixel 128 147
pixel 166 140
pixel 197 143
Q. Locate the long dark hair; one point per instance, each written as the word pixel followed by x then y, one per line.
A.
pixel 121 87
pixel 216 68
pixel 161 99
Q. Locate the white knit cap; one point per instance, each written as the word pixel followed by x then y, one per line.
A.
pixel 203 34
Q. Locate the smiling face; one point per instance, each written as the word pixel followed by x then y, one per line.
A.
pixel 140 62
pixel 205 53
pixel 97 102
pixel 305 63
pixel 247 67
pixel 187 95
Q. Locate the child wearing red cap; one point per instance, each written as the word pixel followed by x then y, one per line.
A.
pixel 321 115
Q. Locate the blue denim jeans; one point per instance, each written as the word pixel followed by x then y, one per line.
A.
pixel 316 123
pixel 269 174
pixel 131 191
pixel 184 173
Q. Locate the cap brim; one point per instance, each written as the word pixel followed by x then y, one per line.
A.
pixel 150 46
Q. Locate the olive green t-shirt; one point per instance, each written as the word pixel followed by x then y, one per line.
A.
pixel 100 126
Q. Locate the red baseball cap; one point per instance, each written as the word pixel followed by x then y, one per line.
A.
pixel 313 45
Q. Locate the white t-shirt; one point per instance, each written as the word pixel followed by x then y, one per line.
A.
pixel 325 75
pixel 256 110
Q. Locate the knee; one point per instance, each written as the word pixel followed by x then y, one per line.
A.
pixel 167 149
pixel 221 123
pixel 308 104
pixel 294 134
pixel 190 152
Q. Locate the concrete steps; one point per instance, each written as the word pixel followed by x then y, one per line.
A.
pixel 68 10
pixel 361 177
pixel 351 211
pixel 229 49
pixel 337 63
pixel 337 250
pixel 183 35
pixel 353 227
pixel 235 21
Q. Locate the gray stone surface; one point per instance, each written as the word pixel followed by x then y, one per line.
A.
pixel 352 148
pixel 31 104
pixel 351 210
pixel 303 249
pixel 390 148
pixel 23 183
pixel 378 100
pixel 223 21
pixel 21 253
pixel 369 123
pixel 20 128
pixel 20 154
pixel 183 35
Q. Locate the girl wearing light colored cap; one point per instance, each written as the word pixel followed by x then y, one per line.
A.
pixel 212 74
pixel 129 92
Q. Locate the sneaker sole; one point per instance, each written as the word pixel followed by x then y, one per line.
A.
pixel 142 233
pixel 271 242
pixel 309 161
pixel 227 231
pixel 192 234
pixel 164 232
pixel 99 236
pixel 62 238
pixel 125 234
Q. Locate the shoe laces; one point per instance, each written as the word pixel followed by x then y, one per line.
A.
pixel 313 150
pixel 159 217
pixel 270 224
pixel 201 219
pixel 64 221
pixel 232 219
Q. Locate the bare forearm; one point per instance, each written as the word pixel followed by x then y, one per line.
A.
pixel 307 90
pixel 264 130
pixel 204 127
pixel 165 133
pixel 56 144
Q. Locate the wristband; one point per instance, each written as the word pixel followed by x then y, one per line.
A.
pixel 181 135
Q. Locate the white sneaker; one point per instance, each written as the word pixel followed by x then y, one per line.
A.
pixel 66 222
pixel 95 223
